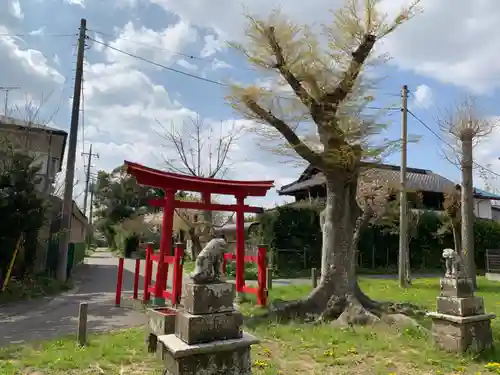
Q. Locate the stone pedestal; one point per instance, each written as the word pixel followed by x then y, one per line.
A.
pixel 208 339
pixel 460 323
pixel 161 321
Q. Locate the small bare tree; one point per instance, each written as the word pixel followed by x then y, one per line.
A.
pixel 465 127
pixel 452 209
pixel 199 149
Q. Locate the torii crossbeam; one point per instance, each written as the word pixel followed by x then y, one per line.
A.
pixel 171 183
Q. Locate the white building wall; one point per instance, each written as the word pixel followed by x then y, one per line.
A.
pixel 482 208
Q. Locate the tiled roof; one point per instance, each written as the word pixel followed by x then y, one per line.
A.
pixel 417 180
pixel 5 120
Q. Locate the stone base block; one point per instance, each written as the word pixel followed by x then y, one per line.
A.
pixel 460 306
pixel 208 298
pixel 161 321
pixel 196 329
pixel 228 357
pixel 459 334
pixel 129 302
pixel 456 287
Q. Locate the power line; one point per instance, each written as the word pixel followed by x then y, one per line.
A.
pixel 23 35
pixel 208 80
pixel 188 56
pixel 159 65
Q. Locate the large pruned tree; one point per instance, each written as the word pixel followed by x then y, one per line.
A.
pixel 330 98
pixel 201 149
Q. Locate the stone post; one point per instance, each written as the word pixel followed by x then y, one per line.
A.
pixel 208 338
pixel 460 323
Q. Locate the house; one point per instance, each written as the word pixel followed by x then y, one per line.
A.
pixel 181 223
pixel 45 144
pixel 251 232
pixel 311 184
pixel 495 212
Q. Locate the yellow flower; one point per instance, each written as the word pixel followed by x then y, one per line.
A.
pixel 260 364
pixel 329 353
pixel 352 351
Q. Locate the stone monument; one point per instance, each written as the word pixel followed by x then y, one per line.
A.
pixel 460 323
pixel 208 338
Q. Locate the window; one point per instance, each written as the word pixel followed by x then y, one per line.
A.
pixel 53 167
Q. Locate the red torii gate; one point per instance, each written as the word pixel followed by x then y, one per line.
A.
pixel 173 182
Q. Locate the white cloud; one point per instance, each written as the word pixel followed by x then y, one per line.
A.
pixel 423 96
pixel 76 2
pixel 452 41
pixel 186 64
pixel 98 44
pixel 39 31
pixel 160 46
pixel 15 9
pixel 212 45
pixel 219 64
pixel 31 61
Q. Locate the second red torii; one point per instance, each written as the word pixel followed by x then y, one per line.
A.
pixel 171 183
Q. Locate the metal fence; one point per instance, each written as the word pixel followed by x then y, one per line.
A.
pixel 493 261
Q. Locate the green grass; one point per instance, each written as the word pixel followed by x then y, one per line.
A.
pixel 32 287
pixel 286 349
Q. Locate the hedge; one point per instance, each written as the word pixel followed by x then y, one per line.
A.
pixel 293 235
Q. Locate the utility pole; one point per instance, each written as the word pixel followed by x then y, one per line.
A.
pixel 91 200
pixel 67 206
pixel 403 199
pixel 7 89
pixel 90 236
pixel 87 181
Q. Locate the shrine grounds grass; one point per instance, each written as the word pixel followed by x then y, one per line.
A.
pixel 285 349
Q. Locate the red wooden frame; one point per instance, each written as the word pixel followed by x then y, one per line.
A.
pixel 172 183
pixel 173 295
pixel 260 259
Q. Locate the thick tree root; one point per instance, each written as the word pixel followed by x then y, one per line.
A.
pixel 345 310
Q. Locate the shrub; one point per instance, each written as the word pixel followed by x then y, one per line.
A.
pixel 21 208
pixel 296 227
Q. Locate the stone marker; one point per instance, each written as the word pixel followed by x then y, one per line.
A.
pixel 460 323
pixel 208 339
pixel 161 321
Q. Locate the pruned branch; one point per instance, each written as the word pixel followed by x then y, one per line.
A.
pixel 331 100
pixel 281 65
pixel 300 147
pixel 330 93
pixel 464 122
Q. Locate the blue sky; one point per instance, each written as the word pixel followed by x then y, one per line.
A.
pixel 441 62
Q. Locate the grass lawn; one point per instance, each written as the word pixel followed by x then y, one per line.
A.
pixel 285 349
pixel 32 287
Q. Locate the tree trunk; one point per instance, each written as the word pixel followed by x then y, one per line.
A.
pixel 195 243
pixel 337 296
pixel 457 238
pixel 407 266
pixel 468 208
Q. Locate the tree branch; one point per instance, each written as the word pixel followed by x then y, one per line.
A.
pixel 300 147
pixel 291 79
pixel 359 56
